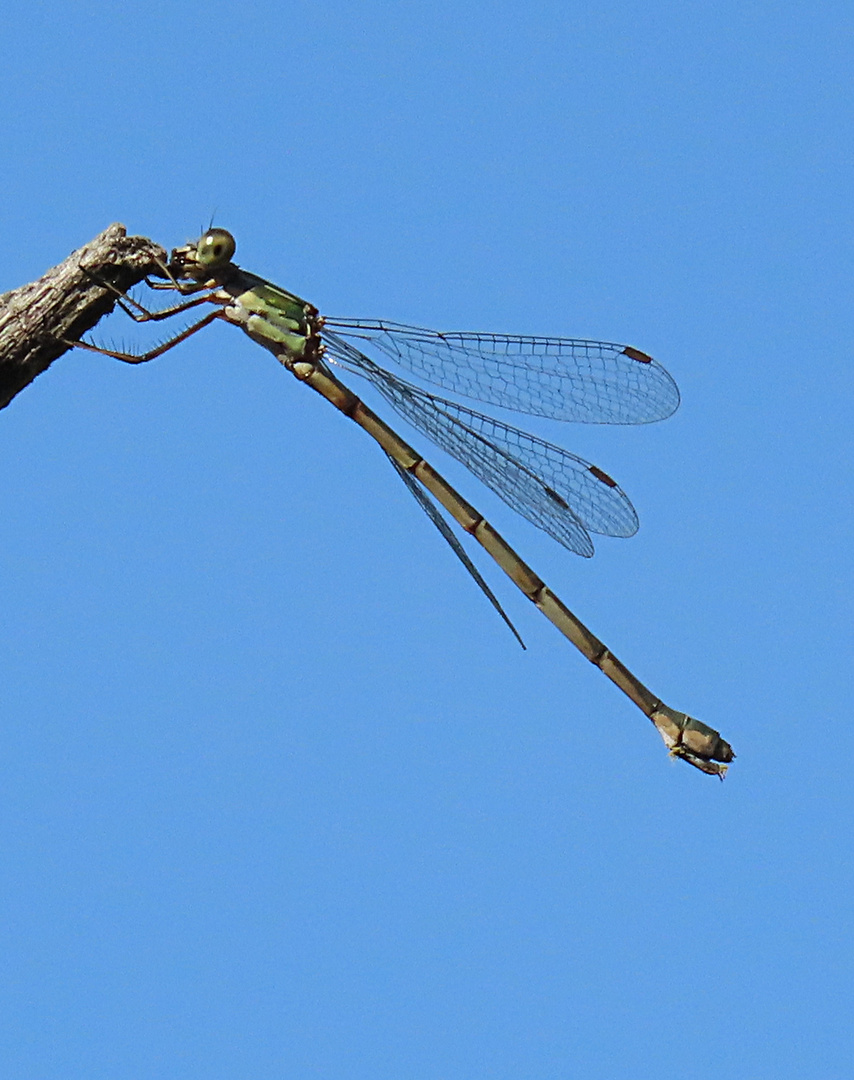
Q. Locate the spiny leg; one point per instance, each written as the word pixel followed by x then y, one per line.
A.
pixel 141 358
pixel 174 285
pixel 139 313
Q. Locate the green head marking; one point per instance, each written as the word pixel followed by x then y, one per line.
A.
pixel 215 249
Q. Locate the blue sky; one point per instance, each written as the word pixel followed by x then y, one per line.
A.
pixel 279 794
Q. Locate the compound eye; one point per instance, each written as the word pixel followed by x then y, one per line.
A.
pixel 215 249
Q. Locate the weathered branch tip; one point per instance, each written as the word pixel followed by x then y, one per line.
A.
pixel 66 302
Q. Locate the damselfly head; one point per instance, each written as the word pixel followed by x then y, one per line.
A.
pixel 215 249
pixel 207 256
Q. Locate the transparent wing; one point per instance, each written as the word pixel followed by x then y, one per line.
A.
pixel 563 378
pixel 435 515
pixel 557 491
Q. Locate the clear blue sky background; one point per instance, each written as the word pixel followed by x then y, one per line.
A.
pixel 279 795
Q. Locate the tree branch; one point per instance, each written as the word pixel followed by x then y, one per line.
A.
pixel 36 319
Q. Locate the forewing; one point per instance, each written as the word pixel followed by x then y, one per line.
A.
pixel 562 378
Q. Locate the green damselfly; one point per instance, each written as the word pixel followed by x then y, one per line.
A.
pixel 560 378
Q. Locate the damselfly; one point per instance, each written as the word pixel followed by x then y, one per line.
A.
pixel 560 378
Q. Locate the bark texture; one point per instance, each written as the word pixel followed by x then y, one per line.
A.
pixel 37 319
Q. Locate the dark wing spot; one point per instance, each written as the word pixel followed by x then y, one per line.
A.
pixel 603 476
pixel 636 354
pixel 553 495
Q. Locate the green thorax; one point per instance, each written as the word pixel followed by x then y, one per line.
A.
pixel 271 316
